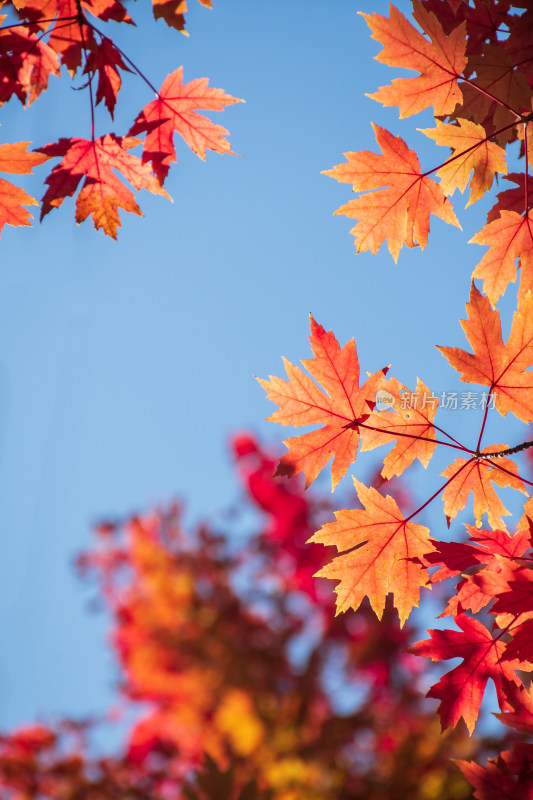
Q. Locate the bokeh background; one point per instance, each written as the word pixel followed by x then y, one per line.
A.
pixel 125 366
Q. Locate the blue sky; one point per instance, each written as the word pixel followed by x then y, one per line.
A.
pixel 125 366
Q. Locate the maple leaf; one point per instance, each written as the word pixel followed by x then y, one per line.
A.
pixel 500 366
pixel 519 45
pixel 173 12
pixel 525 523
pixel 455 557
pixel 454 5
pixel 44 11
pixel 509 237
pixel 521 703
pixel 483 21
pixel 477 475
pixel 67 38
pixel 515 592
pixel 493 581
pixel 71 40
pixel 385 552
pixel 399 211
pixel 499 79
pixel 439 61
pixel 15 160
pixel 175 110
pixel 461 691
pixel 521 645
pixel 468 597
pixel 102 193
pixel 509 775
pixel 105 62
pixel 339 408
pixel 26 64
pixel 492 551
pixel 510 200
pixel 471 151
pixel 411 427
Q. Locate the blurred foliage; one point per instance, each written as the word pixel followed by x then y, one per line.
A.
pixel 242 682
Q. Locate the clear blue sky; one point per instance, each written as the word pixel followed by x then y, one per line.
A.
pixel 124 367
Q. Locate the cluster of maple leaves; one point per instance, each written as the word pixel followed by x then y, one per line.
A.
pixel 223 706
pixel 474 65
pixel 475 69
pixel 43 38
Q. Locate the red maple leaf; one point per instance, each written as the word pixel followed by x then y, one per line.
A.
pixel 520 715
pixel 105 61
pixel 67 37
pixel 496 95
pixel 497 549
pixel 509 775
pixel 461 691
pixel 514 591
pixel 521 644
pixel 175 110
pixel 456 557
pixel 102 193
pixel 26 63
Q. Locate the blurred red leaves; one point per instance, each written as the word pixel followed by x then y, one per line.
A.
pixel 226 646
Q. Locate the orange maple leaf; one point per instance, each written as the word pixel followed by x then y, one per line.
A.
pixel 102 193
pixel 476 475
pixel 175 110
pixel 510 236
pixel 15 160
pixel 399 212
pixel 493 363
pixel 173 12
pixel 339 408
pixel 470 151
pixel 439 61
pixel 410 422
pixel 384 554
